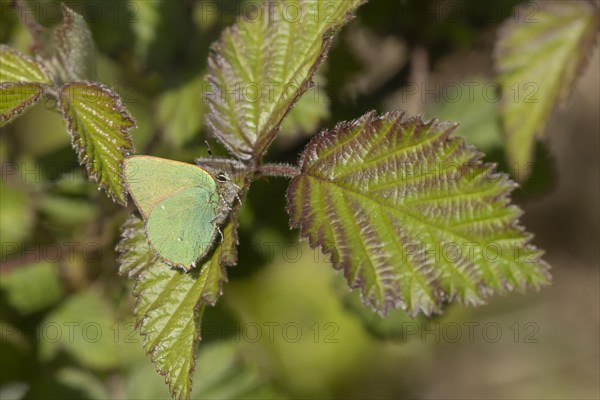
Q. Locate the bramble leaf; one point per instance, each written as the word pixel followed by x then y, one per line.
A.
pixel 261 66
pixel 16 97
pixel 76 48
pixel 98 124
pixel 538 62
pixel 21 83
pixel 135 255
pixel 16 67
pixel 213 273
pixel 411 215
pixel 170 303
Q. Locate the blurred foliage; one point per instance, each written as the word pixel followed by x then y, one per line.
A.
pixel 474 107
pixel 66 329
pixel 558 44
pixel 33 287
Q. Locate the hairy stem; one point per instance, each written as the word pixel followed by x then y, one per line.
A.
pixel 283 170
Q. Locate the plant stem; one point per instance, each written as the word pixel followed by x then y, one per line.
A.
pixel 283 170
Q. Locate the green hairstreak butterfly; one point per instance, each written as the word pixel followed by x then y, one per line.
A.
pixel 182 205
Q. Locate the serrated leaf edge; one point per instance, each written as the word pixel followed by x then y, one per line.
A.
pixel 127 231
pixel 17 111
pixel 38 64
pixel 123 129
pixel 329 250
pixel 63 44
pixel 591 40
pixel 259 148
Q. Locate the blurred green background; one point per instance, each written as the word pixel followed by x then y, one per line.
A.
pixel 287 327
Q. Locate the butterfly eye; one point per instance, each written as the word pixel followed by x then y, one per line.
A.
pixel 222 178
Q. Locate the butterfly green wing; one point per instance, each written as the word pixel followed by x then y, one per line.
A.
pixel 181 228
pixel 151 180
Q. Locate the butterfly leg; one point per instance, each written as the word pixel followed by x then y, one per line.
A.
pixel 220 233
pixel 239 189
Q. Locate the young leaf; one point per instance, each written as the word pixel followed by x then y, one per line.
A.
pixel 411 214
pixel 538 62
pixel 260 68
pixel 15 67
pixel 99 124
pixel 16 97
pixel 135 255
pixel 76 47
pixel 170 303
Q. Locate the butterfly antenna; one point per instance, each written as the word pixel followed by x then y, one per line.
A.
pixel 208 148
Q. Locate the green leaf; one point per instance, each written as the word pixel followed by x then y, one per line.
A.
pixel 76 48
pixel 16 97
pixel 538 62
pixel 411 215
pixel 99 125
pixel 215 275
pixel 169 304
pixel 135 253
pixel 82 328
pixel 15 67
pixel 32 288
pixel 260 67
